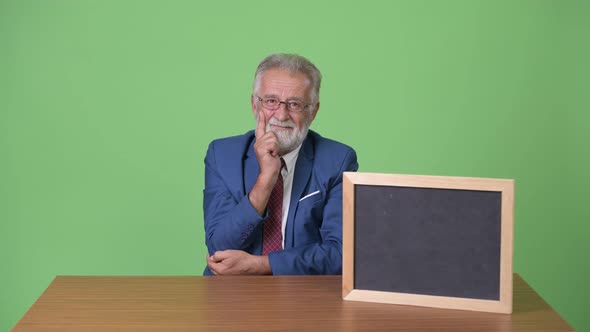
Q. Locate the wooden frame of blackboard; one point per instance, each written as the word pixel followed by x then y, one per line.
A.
pixel 503 304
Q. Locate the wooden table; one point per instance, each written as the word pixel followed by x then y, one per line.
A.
pixel 261 303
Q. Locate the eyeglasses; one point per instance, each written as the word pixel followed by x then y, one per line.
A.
pixel 273 104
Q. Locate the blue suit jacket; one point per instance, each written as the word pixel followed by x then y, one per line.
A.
pixel 313 234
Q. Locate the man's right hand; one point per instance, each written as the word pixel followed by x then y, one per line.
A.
pixel 267 149
pixel 269 161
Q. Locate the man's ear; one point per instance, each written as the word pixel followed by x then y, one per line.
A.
pixel 253 104
pixel 315 111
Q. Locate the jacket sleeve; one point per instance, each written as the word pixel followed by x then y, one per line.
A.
pixel 324 257
pixel 230 222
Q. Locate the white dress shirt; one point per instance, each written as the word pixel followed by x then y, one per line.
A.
pixel 288 172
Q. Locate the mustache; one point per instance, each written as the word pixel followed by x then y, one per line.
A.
pixel 287 123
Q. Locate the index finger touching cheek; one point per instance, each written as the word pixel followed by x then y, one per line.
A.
pixel 260 124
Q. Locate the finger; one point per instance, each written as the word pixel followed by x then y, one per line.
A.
pixel 260 124
pixel 212 267
pixel 220 255
pixel 211 258
pixel 271 143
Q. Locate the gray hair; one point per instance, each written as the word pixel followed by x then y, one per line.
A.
pixel 293 63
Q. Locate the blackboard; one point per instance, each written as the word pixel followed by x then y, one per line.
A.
pixel 442 241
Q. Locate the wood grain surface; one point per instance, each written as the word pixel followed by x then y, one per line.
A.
pixel 256 303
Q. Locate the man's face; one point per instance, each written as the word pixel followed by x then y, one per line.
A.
pixel 289 127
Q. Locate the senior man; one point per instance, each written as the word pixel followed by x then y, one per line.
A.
pixel 273 196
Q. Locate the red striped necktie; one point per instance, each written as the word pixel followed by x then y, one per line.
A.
pixel 272 237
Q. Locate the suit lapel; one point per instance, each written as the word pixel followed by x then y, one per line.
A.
pixel 303 169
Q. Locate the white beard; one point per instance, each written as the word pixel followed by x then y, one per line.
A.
pixel 288 139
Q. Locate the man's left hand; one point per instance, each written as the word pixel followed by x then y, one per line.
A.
pixel 236 262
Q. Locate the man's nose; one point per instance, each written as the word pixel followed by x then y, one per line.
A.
pixel 282 113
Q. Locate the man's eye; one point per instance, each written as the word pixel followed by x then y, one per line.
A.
pixel 271 101
pixel 294 104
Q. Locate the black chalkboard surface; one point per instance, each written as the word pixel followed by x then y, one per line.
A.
pixel 431 241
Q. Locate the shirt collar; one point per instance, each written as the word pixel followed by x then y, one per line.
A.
pixel 291 158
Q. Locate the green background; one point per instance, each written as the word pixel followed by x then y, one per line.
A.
pixel 107 107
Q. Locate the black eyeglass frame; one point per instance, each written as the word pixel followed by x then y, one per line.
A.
pixel 287 104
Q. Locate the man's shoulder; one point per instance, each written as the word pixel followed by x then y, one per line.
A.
pixel 242 139
pixel 330 157
pixel 329 146
pixel 233 144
